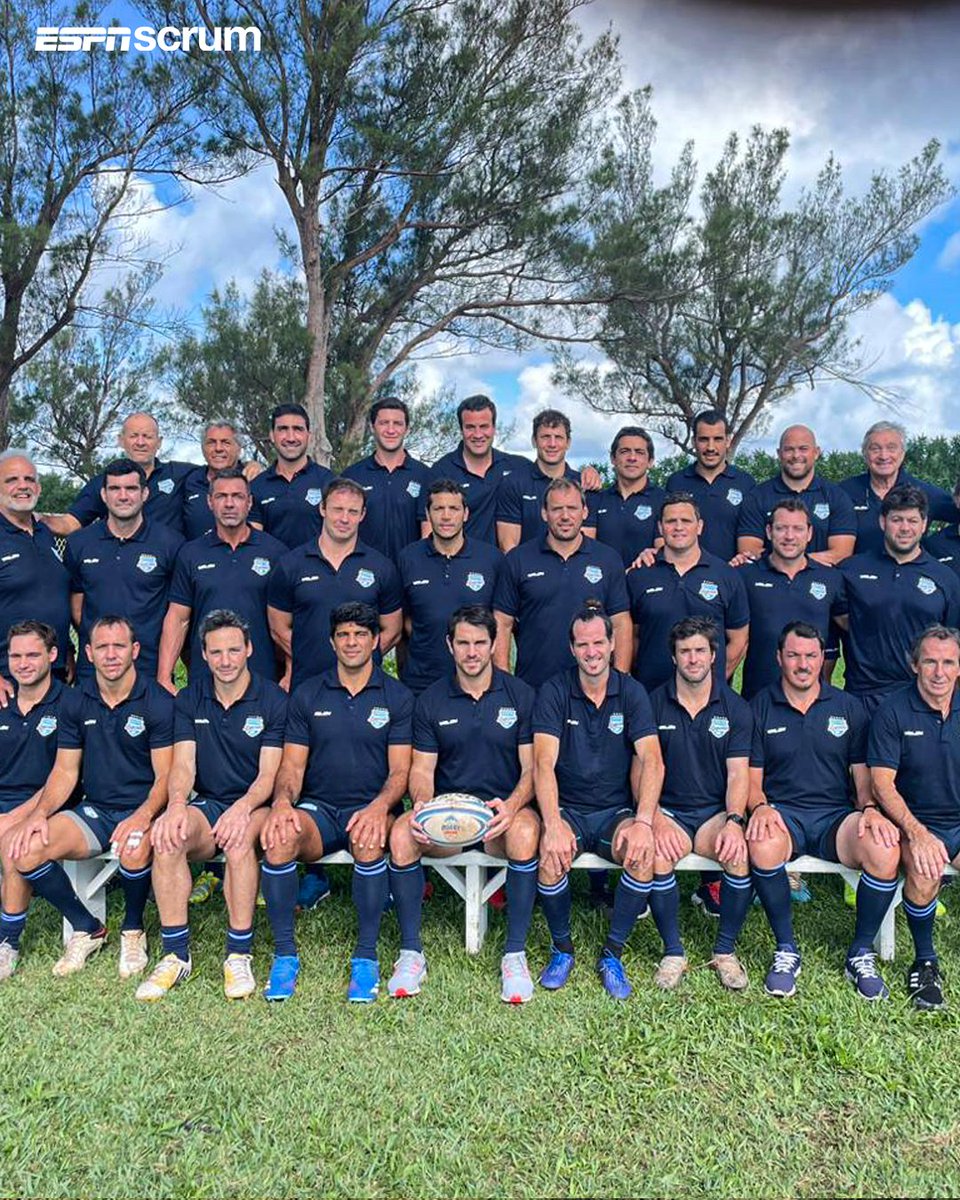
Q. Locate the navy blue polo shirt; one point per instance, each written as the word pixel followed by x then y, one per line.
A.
pixel 542 591
pixel 913 739
pixel 116 770
pixel 815 595
pixel 229 740
pixel 520 497
pixel 830 508
pixel 628 524
pixel 28 746
pixel 348 736
pixel 308 587
pixel 435 586
pixel 596 744
pixel 394 505
pixel 888 604
pixel 289 510
pixel 34 584
pixel 164 503
pixel 480 490
pixel 945 547
pixel 660 596
pixel 208 574
pixel 696 749
pixel 129 577
pixel 866 506
pixel 476 741
pixel 806 757
pixel 720 504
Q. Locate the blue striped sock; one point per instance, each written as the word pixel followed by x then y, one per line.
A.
pixel 11 928
pixel 773 888
pixel 280 886
pixel 556 902
pixel 370 891
pixel 735 894
pixel 629 901
pixel 665 906
pixel 521 897
pixel 406 887
pixel 50 881
pixel 176 940
pixel 874 897
pixel 920 918
pixel 136 889
pixel 239 941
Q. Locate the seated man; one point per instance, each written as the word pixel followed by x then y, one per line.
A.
pixel 116 742
pixel 705 734
pixel 471 733
pixel 28 749
pixel 808 740
pixel 594 742
pixel 346 760
pixel 228 741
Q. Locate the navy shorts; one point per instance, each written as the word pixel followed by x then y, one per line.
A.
pixel 948 833
pixel 7 806
pixel 212 809
pixel 595 827
pixel 690 819
pixel 96 824
pixel 814 830
pixel 331 821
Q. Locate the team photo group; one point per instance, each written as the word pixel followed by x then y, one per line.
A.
pixel 564 652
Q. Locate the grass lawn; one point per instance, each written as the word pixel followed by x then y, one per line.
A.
pixel 456 1094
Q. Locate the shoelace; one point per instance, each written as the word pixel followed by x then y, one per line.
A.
pixel 513 966
pixel 785 961
pixel 74 951
pixel 865 965
pixel 240 966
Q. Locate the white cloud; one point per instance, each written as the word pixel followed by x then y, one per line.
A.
pixel 949 258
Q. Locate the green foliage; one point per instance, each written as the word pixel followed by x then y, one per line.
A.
pixel 57 493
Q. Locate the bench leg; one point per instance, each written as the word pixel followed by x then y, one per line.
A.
pixel 476 914
pixel 89 878
pixel 886 939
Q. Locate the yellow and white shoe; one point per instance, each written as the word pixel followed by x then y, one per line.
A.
pixel 133 953
pixel 168 972
pixel 238 981
pixel 78 949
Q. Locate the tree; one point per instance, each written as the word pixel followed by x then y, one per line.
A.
pixel 426 151
pixel 729 299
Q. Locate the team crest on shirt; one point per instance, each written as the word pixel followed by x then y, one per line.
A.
pixel 378 716
pixel 837 726
pixel 818 590
pixel 135 726
pixel 165 486
pixel 147 563
pixel 643 513
pixel 927 586
pixel 593 574
pixel 507 718
pixel 708 590
pixel 413 489
pixel 260 566
pixel 314 495
pixel 821 511
pixel 475 581
pixel 719 727
pixel 366 578
pixel 46 726
pixel 253 726
pixel 734 496
pixel 615 724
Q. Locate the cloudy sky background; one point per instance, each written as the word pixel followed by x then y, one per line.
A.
pixel 872 84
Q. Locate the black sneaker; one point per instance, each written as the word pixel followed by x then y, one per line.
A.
pixel 924 985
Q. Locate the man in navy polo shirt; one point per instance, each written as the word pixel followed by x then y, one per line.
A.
pixel 944 545
pixel 123 563
pixel 914 758
pixel 684 580
pixel 545 581
pixel 785 585
pixel 228 741
pixel 884 449
pixel 597 774
pixel 705 732
pixel 438 575
pixel 312 580
pixel 28 748
pixel 718 487
pixel 346 760
pixel 830 508
pixel 392 480
pixel 471 733
pixel 221 452
pixel 287 495
pixel 229 567
pixel 115 740
pixel 891 596
pixel 809 739
pixel 625 514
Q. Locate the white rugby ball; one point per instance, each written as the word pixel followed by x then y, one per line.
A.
pixel 454 819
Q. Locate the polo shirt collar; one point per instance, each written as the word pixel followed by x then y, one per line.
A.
pixel 705 560
pixel 253 690
pixel 331 679
pixel 827 692
pixel 691 472
pixel 9 527
pixel 464 551
pixel 53 692
pixel 918 704
pixel 372 464
pixel 779 485
pixel 546 548
pixel 89 687
pixel 275 474
pixel 496 684
pixel 107 536
pixel 313 550
pixel 613 683
pixel 714 690
pixel 922 558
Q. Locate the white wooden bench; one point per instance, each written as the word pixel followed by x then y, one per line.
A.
pixel 475 876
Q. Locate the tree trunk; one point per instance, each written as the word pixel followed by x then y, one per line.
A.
pixel 318 327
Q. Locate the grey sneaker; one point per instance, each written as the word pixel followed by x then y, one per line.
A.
pixel 8 960
pixel 730 971
pixel 516 984
pixel 78 949
pixel 671 970
pixel 409 971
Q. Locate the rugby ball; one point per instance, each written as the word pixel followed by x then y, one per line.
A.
pixel 454 819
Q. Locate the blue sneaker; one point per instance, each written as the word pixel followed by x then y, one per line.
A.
pixel 557 971
pixel 283 977
pixel 861 970
pixel 314 888
pixel 799 892
pixel 781 979
pixel 364 980
pixel 613 976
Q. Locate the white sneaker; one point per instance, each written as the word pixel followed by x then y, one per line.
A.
pixel 8 960
pixel 133 953
pixel 168 972
pixel 409 971
pixel 238 981
pixel 78 949
pixel 516 984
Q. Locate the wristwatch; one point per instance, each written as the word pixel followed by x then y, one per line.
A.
pixel 737 820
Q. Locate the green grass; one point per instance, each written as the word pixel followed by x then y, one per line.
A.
pixel 456 1094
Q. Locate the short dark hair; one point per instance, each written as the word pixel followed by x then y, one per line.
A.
pixel 591 610
pixel 477 403
pixel 31 628
pixel 940 633
pixel 230 473
pixel 790 504
pixel 223 618
pixel 448 487
pixel 342 484
pixel 562 484
pixel 692 627
pixel 802 629
pixel 111 619
pixel 711 416
pixel 550 418
pixel 390 403
pixel 473 614
pixel 899 499
pixel 124 466
pixel 288 410
pixel 672 498
pixel 355 612
pixel 632 431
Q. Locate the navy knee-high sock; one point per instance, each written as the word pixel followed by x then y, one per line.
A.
pixel 50 881
pixel 406 887
pixel 735 894
pixel 370 890
pixel 280 886
pixel 874 897
pixel 11 928
pixel 920 918
pixel 136 889
pixel 773 888
pixel 630 898
pixel 521 897
pixel 557 903
pixel 665 906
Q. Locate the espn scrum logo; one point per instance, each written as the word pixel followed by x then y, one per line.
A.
pixel 59 39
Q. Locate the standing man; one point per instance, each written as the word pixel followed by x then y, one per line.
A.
pixel 830 508
pixel 545 581
pixel 392 481
pixel 438 575
pixel 228 741
pixel 718 487
pixel 944 545
pixel 115 740
pixel 625 514
pixel 471 733
pixel 597 774
pixel 287 495
pixel 122 563
pixel 221 452
pixel 346 761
